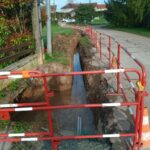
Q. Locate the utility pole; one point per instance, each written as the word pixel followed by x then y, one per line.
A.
pixel 49 37
pixel 89 1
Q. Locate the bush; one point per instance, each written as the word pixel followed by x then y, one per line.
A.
pixel 85 13
pixel 17 39
pixel 4 32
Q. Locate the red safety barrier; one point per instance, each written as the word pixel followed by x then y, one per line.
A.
pixel 138 101
pixel 140 85
pixel 46 106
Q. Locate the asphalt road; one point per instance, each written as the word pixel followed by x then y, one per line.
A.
pixel 139 46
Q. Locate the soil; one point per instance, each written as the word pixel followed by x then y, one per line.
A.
pixel 97 87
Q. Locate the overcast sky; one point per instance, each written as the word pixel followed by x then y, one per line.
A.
pixel 61 3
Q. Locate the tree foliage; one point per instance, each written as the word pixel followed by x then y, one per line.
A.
pixel 129 12
pixel 15 19
pixel 84 13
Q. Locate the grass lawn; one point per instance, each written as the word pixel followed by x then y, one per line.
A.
pixel 57 57
pixel 58 30
pixel 138 31
pixel 99 21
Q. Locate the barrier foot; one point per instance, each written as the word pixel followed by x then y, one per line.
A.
pixel 55 145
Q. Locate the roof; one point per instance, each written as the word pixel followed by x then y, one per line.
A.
pixel 101 6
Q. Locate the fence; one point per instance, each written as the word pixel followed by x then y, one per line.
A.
pixel 110 50
pixel 138 103
pixel 14 53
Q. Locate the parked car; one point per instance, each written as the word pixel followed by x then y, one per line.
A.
pixel 68 20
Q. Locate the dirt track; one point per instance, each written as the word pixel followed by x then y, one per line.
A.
pixel 139 46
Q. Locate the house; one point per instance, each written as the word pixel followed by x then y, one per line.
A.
pixel 70 7
pixel 100 7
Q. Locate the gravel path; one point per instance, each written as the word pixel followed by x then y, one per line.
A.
pixel 139 46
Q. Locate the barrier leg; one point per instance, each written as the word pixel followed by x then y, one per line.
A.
pixel 135 140
pixel 100 47
pixel 141 120
pixel 49 111
pixel 96 41
pixel 118 74
pixel 109 51
pixel 55 145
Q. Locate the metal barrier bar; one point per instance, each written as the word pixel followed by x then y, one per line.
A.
pixel 78 73
pixel 22 105
pixel 22 109
pixel 10 135
pixel 126 99
pixel 142 82
pixel 47 97
pixel 131 83
pixel 59 138
pixel 139 101
pixel 140 64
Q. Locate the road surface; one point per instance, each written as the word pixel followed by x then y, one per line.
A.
pixel 139 46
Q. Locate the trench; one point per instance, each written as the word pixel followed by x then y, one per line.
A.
pixel 67 121
pixel 74 121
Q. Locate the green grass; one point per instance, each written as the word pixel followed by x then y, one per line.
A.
pixel 57 57
pixel 14 85
pixel 2 94
pixel 57 30
pixel 21 126
pixel 138 31
pixel 99 21
pixel 5 64
pixel 17 127
pixel 85 42
pixel 3 124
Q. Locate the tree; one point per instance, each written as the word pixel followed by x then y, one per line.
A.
pixel 146 18
pixel 128 12
pixel 15 21
pixel 116 12
pixel 84 13
pixel 17 13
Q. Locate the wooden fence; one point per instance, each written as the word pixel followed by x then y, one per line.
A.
pixel 14 53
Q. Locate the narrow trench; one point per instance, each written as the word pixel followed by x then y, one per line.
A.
pixel 68 121
pixel 73 121
pixel 76 121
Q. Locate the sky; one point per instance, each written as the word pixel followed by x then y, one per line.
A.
pixel 61 3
